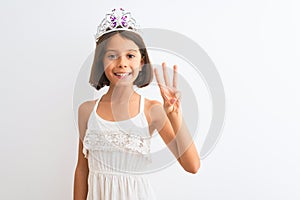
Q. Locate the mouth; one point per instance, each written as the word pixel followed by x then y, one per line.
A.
pixel 122 75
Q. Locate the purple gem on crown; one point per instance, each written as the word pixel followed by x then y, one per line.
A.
pixel 118 18
pixel 124 23
pixel 113 18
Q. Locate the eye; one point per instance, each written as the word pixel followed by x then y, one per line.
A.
pixel 130 56
pixel 112 56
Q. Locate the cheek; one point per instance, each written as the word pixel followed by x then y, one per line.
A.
pixel 137 62
pixel 107 64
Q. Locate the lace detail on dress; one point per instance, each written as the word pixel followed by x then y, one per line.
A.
pixel 116 140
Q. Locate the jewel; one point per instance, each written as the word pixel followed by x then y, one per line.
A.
pixel 115 20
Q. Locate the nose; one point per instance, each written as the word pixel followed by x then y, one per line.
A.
pixel 122 62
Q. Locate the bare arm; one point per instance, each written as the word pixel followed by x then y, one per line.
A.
pixel 175 134
pixel 171 125
pixel 82 171
pixel 81 176
pixel 188 155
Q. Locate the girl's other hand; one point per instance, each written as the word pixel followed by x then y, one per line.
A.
pixel 170 94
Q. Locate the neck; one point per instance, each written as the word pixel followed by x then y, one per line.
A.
pixel 118 94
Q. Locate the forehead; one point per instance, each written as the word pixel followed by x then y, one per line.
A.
pixel 119 43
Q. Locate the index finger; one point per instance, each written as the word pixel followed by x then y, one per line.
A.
pixel 159 83
pixel 157 76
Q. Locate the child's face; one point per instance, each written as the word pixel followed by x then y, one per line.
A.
pixel 122 60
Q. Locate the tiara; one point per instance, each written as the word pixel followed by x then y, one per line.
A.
pixel 118 19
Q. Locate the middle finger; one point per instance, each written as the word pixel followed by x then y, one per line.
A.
pixel 164 67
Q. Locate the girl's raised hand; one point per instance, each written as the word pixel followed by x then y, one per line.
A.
pixel 170 94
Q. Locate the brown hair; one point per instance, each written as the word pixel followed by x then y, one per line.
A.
pixel 98 78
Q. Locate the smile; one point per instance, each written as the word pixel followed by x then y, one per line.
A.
pixel 121 75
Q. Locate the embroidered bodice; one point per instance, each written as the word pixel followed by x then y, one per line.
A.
pixel 122 146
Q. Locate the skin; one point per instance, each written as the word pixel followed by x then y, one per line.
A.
pixel 121 102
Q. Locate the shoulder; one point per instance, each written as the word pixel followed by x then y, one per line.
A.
pixel 86 107
pixel 154 109
pixel 84 112
pixel 150 103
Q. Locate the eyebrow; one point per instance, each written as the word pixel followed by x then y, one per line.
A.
pixel 117 51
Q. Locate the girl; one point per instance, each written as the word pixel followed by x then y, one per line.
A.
pixel 116 129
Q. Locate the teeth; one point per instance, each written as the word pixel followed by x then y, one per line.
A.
pixel 121 74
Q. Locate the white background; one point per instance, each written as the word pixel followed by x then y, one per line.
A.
pixel 254 45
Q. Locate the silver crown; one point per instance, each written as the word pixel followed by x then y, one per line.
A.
pixel 118 19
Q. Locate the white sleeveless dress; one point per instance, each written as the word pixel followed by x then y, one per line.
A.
pixel 118 153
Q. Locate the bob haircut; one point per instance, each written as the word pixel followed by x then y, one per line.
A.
pixel 98 78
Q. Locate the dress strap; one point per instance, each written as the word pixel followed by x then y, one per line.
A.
pixel 97 103
pixel 142 100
